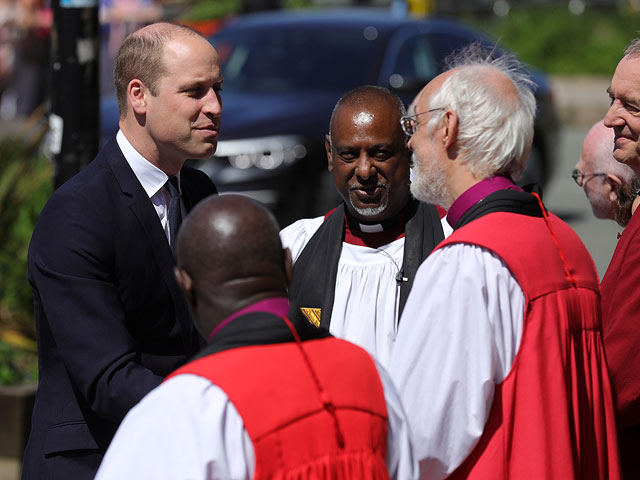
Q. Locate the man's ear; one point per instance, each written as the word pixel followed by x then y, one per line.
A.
pixel 327 147
pixel 288 266
pixel 137 94
pixel 185 283
pixel 614 183
pixel 450 129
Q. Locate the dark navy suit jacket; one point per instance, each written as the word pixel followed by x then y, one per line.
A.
pixel 111 321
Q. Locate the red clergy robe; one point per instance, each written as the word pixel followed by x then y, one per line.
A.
pixel 552 416
pixel 294 435
pixel 621 327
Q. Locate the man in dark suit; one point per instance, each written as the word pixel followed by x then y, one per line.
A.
pixel 110 318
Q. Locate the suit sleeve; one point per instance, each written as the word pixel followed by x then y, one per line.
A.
pixel 78 306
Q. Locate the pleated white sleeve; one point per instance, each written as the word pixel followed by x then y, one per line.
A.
pixel 184 429
pixel 460 332
pixel 188 429
pixel 296 236
pixel 401 460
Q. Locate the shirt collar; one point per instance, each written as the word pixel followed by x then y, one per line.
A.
pixel 476 193
pixel 276 305
pixel 150 177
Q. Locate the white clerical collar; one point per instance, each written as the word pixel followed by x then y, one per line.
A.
pixel 150 177
pixel 375 228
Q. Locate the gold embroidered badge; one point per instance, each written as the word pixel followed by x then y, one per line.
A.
pixel 312 314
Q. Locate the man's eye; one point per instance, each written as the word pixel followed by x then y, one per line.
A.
pixel 631 108
pixel 347 156
pixel 383 155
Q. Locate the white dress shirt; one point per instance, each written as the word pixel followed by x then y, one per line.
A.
pixel 464 320
pixel 187 429
pixel 152 179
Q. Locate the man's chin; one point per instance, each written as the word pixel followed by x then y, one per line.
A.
pixel 369 212
pixel 205 151
pixel 424 194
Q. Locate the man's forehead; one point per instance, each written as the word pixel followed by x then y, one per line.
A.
pixel 584 161
pixel 417 102
pixel 421 102
pixel 362 116
pixel 626 79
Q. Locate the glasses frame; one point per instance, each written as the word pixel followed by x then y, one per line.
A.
pixel 581 178
pixel 409 123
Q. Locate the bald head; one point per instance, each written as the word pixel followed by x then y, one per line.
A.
pixel 229 255
pixel 478 122
pixel 597 154
pixel 363 99
pixel 493 100
pixel 611 194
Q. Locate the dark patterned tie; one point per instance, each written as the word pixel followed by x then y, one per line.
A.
pixel 175 212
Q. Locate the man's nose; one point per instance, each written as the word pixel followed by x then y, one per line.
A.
pixel 364 167
pixel 612 118
pixel 212 104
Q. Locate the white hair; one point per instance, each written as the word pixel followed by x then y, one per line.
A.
pixel 633 50
pixel 495 127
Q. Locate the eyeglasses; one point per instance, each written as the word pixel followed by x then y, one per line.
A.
pixel 580 178
pixel 410 124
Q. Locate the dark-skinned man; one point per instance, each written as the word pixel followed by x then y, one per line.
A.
pixel 265 398
pixel 354 267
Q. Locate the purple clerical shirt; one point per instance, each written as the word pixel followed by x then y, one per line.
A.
pixel 276 305
pixel 473 195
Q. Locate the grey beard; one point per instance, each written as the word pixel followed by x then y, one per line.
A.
pixel 370 211
pixel 430 185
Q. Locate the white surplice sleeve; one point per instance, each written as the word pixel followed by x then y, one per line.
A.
pixel 185 429
pixel 188 429
pixel 401 460
pixel 296 236
pixel 460 331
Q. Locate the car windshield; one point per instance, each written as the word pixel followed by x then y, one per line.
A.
pixel 298 59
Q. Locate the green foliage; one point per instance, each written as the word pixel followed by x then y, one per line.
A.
pixel 202 10
pixel 206 9
pixel 558 42
pixel 16 365
pixel 294 4
pixel 25 186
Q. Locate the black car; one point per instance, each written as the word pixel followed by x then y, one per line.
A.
pixel 283 73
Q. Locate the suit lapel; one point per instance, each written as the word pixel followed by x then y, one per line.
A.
pixel 188 193
pixel 140 206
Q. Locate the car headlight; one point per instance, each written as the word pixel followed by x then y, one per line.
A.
pixel 266 153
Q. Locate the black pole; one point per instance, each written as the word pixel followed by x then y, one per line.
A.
pixel 75 94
